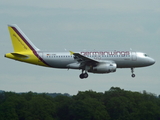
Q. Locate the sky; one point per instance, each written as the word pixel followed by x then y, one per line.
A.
pixel 60 25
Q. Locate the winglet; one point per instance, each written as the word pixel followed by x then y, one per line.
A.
pixel 71 52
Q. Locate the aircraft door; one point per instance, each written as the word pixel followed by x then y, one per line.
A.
pixel 134 56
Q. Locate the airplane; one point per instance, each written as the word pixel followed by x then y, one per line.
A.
pixel 88 61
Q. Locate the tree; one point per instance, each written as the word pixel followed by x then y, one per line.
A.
pixel 87 106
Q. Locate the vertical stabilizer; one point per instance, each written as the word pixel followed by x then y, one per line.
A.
pixel 20 41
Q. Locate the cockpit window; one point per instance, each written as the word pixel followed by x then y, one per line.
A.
pixel 145 55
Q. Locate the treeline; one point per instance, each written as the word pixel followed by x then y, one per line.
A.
pixel 114 104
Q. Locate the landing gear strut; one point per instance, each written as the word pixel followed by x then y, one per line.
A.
pixel 132 70
pixel 83 75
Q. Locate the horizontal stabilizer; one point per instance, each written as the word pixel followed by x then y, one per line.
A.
pixel 19 55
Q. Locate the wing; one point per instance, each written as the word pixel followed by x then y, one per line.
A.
pixel 83 60
pixel 94 66
pixel 80 58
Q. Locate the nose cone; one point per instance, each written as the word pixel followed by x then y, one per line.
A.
pixel 151 61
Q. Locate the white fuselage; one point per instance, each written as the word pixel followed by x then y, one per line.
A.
pixel 66 60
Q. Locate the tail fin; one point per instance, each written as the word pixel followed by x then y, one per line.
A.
pixel 20 41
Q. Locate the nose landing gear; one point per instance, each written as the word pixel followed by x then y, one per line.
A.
pixel 132 70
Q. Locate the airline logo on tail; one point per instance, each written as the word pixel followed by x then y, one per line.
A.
pixel 24 49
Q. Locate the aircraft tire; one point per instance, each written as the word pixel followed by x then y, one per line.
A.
pixel 81 76
pixel 85 75
pixel 133 75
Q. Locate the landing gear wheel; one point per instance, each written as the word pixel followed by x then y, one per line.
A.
pixel 83 75
pixel 133 75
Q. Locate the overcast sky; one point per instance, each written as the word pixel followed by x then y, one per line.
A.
pixel 80 25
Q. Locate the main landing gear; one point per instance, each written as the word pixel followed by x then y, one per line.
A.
pixel 83 75
pixel 132 70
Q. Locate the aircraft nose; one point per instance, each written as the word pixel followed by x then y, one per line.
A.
pixel 151 61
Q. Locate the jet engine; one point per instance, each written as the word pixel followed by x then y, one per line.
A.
pixel 104 68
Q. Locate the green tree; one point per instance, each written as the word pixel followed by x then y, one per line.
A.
pixel 115 104
pixel 87 106
pixel 62 107
pixel 40 107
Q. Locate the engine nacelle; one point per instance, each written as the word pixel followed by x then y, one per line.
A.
pixel 104 68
